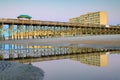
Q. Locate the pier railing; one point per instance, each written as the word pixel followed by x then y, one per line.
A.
pixel 40 22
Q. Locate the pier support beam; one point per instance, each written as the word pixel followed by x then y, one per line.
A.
pixel 1 32
pixel 10 31
pixel 1 57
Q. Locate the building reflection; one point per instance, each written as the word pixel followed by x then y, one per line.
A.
pixel 93 59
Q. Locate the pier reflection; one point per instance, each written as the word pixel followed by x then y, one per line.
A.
pixel 36 53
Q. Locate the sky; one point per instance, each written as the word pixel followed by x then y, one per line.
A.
pixel 59 10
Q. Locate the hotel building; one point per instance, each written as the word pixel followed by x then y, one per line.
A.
pixel 92 17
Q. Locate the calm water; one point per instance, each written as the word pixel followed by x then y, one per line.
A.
pixel 71 62
pixel 85 68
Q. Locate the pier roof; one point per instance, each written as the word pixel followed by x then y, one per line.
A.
pixel 24 16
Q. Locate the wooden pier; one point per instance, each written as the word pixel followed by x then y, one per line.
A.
pixel 26 29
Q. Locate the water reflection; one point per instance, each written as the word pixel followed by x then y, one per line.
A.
pixel 94 59
pixel 34 53
pixel 85 63
pixel 68 69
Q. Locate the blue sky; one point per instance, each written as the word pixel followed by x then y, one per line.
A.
pixel 59 10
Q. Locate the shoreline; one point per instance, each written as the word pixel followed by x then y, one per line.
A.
pixel 98 39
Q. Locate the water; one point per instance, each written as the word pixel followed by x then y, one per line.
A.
pixel 69 69
pixel 68 62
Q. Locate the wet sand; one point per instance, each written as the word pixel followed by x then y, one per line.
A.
pixel 18 71
pixel 100 40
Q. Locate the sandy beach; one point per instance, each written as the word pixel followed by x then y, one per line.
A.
pixel 18 71
pixel 97 39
